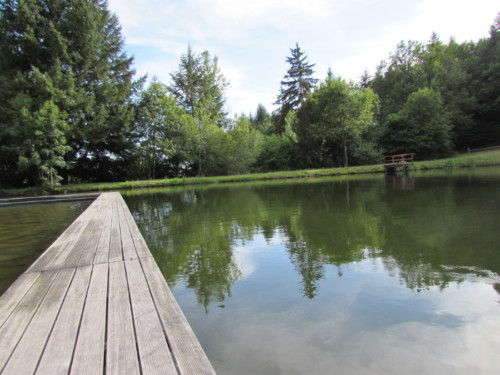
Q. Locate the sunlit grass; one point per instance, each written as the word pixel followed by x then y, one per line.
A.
pixel 485 158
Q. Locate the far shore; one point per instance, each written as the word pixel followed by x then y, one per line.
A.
pixel 469 160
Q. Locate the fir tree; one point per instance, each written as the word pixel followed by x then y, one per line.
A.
pixel 296 85
pixel 262 119
pixel 66 56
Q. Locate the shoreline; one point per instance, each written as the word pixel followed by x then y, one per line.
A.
pixel 471 160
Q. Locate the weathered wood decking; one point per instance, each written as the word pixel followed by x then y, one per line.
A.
pixel 96 303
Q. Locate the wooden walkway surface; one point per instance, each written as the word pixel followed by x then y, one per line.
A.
pixel 96 303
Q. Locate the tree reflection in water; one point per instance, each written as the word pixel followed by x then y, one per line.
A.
pixel 424 235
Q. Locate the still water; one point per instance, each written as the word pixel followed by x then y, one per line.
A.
pixel 370 275
pixel 27 230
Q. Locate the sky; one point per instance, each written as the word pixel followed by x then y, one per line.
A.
pixel 252 38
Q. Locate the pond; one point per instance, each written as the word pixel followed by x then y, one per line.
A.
pixel 26 231
pixel 366 275
pixel 358 275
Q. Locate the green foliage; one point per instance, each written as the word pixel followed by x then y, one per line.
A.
pixel 465 76
pixel 399 77
pixel 277 154
pixel 246 145
pixel 262 120
pixel 43 149
pixel 70 110
pixel 68 53
pixel 422 127
pixel 162 130
pixel 335 114
pixel 484 69
pixel 212 154
pixel 296 85
pixel 199 86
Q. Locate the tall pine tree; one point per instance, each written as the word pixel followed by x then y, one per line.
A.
pixel 296 85
pixel 62 61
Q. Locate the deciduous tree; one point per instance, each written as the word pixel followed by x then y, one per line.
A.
pixel 422 127
pixel 199 86
pixel 334 115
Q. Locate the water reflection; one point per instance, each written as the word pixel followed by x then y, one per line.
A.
pixel 425 236
pixel 27 230
pixel 364 276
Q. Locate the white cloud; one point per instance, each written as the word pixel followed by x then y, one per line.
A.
pixel 252 38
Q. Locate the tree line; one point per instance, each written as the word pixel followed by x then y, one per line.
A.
pixel 72 110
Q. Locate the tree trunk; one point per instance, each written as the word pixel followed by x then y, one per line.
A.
pixel 346 162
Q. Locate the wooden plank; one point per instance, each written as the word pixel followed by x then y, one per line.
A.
pixel 140 245
pixel 25 357
pixel 90 345
pixel 60 245
pixel 56 358
pixel 121 350
pixel 14 327
pixel 102 251
pixel 185 347
pixel 116 316
pixel 87 240
pixel 152 345
pixel 89 254
pixel 78 248
pixel 12 296
pixel 128 246
pixel 75 244
pixel 59 250
pixel 115 246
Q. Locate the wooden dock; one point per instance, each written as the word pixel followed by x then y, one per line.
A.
pixel 95 302
pixel 397 163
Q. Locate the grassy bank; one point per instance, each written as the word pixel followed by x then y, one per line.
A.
pixel 486 158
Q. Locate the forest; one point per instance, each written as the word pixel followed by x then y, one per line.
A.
pixel 73 110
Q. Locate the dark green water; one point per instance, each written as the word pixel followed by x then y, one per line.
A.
pixel 27 230
pixel 359 276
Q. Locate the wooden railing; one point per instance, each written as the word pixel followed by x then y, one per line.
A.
pixel 398 159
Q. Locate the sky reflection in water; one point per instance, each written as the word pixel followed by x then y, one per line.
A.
pixel 369 276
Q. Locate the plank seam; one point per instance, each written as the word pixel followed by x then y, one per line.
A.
pixel 55 319
pixel 29 322
pixel 106 319
pixel 77 227
pixel 133 319
pixel 80 321
pixel 18 302
pixel 169 343
pixel 95 225
pixel 96 245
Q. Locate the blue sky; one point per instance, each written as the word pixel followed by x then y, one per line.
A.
pixel 252 38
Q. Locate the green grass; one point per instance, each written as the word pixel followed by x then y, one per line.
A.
pixel 486 158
